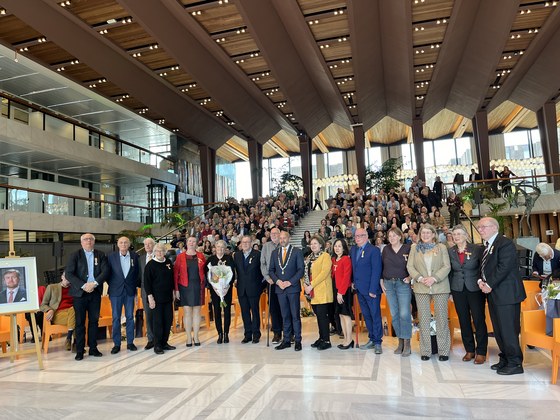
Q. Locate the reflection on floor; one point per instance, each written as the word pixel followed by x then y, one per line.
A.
pixel 248 381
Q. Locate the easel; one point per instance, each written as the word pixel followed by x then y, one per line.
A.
pixel 15 351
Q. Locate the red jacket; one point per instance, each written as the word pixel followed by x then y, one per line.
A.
pixel 342 273
pixel 180 272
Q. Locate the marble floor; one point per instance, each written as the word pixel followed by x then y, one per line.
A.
pixel 251 381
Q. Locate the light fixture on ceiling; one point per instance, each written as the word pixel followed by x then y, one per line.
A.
pixel 2 12
pixel 64 3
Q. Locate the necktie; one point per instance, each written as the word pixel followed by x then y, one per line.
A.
pixel 11 298
pixel 283 255
pixel 148 258
pixel 484 261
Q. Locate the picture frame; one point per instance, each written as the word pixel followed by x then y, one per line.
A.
pixel 18 276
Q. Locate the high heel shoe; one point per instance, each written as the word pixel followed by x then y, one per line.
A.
pixel 189 344
pixel 349 346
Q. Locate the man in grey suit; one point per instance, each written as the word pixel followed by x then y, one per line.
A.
pixel 146 256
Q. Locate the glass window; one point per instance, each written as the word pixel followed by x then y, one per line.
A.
pixel 295 165
pixel 265 178
pixel 536 142
pixel 464 152
pixel 374 157
pixel 517 145
pixel 278 167
pixel 59 127
pixel 243 180
pixel 407 151
pixel 109 145
pixel 314 166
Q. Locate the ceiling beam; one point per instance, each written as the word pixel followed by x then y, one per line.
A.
pixel 321 142
pixel 287 66
pixel 194 50
pixel 471 48
pixel 459 127
pixel 275 143
pixel 103 56
pixel 515 118
pixel 234 150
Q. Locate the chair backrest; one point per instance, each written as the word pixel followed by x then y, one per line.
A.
pixel 556 330
pixel 105 309
pixel 531 286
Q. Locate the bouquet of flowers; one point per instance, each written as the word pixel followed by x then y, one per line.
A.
pixel 219 277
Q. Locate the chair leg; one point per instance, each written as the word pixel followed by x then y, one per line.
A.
pixel 555 359
pixel 46 336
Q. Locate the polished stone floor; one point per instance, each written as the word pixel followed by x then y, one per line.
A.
pixel 251 381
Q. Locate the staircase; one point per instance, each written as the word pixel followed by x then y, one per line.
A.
pixel 310 222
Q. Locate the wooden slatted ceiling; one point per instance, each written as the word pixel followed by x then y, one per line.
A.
pixel 387 131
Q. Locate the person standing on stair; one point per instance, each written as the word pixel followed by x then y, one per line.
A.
pixel 318 199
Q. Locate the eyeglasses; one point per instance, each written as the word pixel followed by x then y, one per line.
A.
pixel 88 239
pixel 484 226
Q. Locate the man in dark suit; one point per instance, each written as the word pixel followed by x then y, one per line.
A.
pixel 144 258
pixel 249 282
pixel 366 269
pixel 474 176
pixel 286 270
pixel 123 281
pixel 503 285
pixel 87 270
pixel 273 305
pixel 13 292
pixel 493 174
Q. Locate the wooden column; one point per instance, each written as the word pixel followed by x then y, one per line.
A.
pixel 208 173
pixel 418 140
pixel 305 150
pixel 481 139
pixel 546 119
pixel 360 147
pixel 255 164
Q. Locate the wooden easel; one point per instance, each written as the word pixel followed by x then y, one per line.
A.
pixel 15 351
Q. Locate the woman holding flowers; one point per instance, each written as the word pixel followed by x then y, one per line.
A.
pixel 220 265
pixel 317 285
pixel 189 273
pixel 429 266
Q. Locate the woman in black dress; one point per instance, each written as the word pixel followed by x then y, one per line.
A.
pixel 159 284
pixel 342 279
pixel 220 258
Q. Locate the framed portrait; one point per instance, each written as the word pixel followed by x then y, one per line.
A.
pixel 18 285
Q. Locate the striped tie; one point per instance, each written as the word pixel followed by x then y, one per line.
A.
pixel 484 261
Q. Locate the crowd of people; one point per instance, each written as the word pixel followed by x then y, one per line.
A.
pixel 393 242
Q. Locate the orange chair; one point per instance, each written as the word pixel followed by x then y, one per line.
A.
pixel 386 312
pixel 51 329
pixel 106 315
pixel 4 332
pixel 140 305
pixel 489 326
pixel 532 290
pixel 263 305
pixel 453 320
pixel 556 350
pixel 204 311
pixel 236 307
pixel 533 327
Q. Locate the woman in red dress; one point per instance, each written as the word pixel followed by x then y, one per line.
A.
pixel 342 275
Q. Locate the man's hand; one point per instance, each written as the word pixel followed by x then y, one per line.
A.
pixel 88 287
pixel 373 295
pixel 49 315
pixel 270 281
pixel 151 302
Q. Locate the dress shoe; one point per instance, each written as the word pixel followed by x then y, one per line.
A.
pixel 169 347
pixel 497 366
pixel 220 339
pixel 332 331
pixel 131 347
pixel 316 343
pixel 114 350
pixel 226 338
pixel 510 370
pixel 349 346
pixel 197 343
pixel 283 345
pixel 95 353
pixel 368 345
pixel 378 349
pixel 276 338
pixel 256 340
pixel 158 350
pixel 324 345
pixel 189 344
pixel 245 340
pixel 74 347
pixel 79 355
pixel 468 356
pixel 424 358
pixel 297 347
pixel 479 359
pixel 68 344
pixel 149 345
pixel 443 358
pixel 292 339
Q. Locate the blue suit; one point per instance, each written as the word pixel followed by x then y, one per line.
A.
pixel 366 270
pixel 122 291
pixel 288 298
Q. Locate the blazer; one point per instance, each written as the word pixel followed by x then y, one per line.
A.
pixel 118 283
pixel 142 265
pixel 293 272
pixel 20 296
pixel 554 263
pixel 468 273
pixel 77 271
pixel 342 273
pixel 321 280
pixel 441 267
pixel 502 273
pixel 52 298
pixel 249 278
pixel 366 269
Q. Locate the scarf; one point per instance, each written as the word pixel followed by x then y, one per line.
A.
pixel 424 247
pixel 307 273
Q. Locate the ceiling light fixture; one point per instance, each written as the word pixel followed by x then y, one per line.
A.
pixel 64 3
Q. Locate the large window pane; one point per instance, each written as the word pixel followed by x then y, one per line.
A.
pixel 265 178
pixel 517 145
pixel 464 152
pixel 295 165
pixel 374 157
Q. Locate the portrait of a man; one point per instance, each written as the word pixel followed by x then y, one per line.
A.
pixel 13 286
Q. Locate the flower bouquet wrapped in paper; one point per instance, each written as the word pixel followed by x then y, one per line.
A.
pixel 219 277
pixel 551 302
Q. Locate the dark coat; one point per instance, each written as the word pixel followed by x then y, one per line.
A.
pixel 77 271
pixel 118 283
pixel 293 272
pixel 249 277
pixel 468 273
